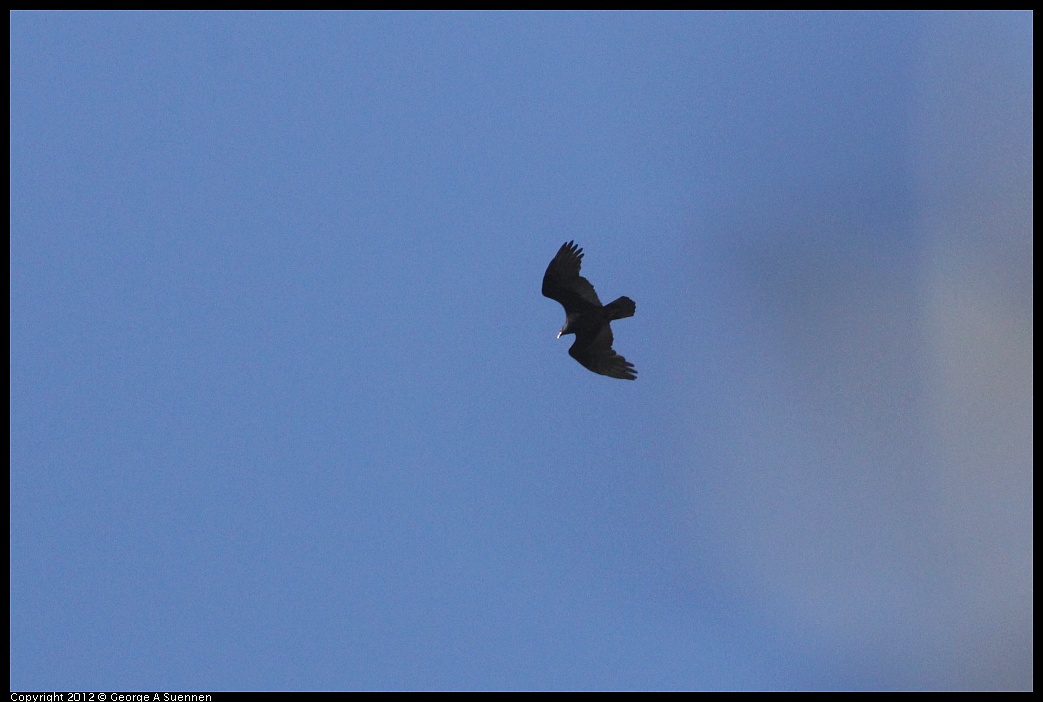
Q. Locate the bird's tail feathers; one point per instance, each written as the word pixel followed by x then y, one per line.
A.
pixel 621 308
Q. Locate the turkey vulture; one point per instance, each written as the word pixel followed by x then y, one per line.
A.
pixel 585 316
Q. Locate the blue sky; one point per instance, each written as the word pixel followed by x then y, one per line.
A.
pixel 287 409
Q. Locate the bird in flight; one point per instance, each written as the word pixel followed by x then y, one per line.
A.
pixel 585 316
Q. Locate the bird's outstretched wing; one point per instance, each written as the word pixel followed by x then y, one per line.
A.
pixel 562 281
pixel 594 350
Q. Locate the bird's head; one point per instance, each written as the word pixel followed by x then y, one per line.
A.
pixel 566 328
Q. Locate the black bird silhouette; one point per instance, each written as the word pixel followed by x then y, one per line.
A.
pixel 585 316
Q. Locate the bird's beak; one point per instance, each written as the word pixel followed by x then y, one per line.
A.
pixel 559 335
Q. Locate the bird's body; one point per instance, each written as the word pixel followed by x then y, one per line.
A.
pixel 585 316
